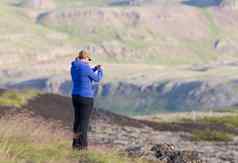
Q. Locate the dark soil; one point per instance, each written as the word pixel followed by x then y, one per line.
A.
pixel 57 107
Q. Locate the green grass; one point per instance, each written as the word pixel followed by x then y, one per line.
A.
pixel 233 109
pixel 226 120
pixel 229 121
pixel 211 135
pixel 27 139
pixel 17 98
pixel 58 152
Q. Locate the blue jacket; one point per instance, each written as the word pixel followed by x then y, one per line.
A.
pixel 82 77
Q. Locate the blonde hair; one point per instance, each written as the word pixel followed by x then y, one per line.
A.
pixel 84 55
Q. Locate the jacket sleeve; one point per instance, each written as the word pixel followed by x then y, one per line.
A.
pixel 96 76
pixel 94 69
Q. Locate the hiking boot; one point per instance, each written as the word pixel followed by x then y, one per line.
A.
pixel 77 145
pixel 76 141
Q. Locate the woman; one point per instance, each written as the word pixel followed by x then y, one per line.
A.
pixel 83 96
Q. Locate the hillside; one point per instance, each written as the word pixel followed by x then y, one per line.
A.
pixel 147 35
pixel 143 34
pixel 154 48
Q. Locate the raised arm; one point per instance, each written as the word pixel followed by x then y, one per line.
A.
pixel 96 76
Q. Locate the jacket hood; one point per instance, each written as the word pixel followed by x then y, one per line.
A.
pixel 76 63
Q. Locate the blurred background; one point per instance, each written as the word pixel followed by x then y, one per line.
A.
pixel 158 55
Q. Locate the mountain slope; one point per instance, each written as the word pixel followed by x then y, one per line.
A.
pixel 147 34
pixel 143 34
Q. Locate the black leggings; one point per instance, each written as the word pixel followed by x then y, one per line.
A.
pixel 83 107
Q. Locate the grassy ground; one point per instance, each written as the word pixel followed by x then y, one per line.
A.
pixel 46 142
pixel 211 135
pixel 188 116
pixel 230 121
pixel 203 126
pixel 17 98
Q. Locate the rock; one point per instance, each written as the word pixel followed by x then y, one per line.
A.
pixel 163 151
pixel 167 153
pixel 135 150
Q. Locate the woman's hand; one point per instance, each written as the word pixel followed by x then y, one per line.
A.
pixel 98 66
